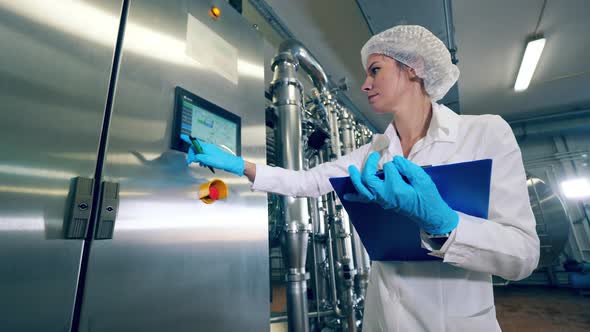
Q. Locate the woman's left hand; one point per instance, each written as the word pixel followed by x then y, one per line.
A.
pixel 417 198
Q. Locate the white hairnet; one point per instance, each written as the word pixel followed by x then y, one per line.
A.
pixel 420 49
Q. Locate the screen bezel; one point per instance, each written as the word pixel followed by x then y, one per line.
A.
pixel 180 145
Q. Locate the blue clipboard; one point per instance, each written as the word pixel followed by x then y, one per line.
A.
pixel 389 236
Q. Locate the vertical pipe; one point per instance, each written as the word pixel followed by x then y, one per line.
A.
pixel 340 230
pixel 361 257
pixel 287 94
pixel 329 215
pixel 314 215
pixel 342 261
pixel 448 10
pixel 319 249
pixel 341 224
pixel 332 107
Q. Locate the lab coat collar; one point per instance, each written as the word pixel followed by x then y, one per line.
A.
pixel 444 126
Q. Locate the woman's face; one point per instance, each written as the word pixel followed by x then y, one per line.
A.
pixel 386 83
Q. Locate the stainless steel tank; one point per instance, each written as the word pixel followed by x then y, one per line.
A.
pixel 552 220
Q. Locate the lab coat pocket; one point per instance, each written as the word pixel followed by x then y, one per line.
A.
pixel 483 321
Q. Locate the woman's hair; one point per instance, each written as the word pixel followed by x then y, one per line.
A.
pixel 413 79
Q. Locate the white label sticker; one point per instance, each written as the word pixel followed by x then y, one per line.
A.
pixel 210 50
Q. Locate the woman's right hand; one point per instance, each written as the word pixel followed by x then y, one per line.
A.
pixel 215 157
pixel 417 198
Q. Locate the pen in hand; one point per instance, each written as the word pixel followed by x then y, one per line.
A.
pixel 199 149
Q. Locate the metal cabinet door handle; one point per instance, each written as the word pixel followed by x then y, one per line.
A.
pixel 109 206
pixel 80 206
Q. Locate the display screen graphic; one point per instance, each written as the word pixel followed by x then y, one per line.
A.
pixel 210 123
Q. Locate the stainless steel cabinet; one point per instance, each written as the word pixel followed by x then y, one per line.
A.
pixel 54 75
pixel 174 263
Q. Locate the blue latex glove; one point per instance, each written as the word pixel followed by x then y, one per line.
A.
pixel 215 157
pixel 417 198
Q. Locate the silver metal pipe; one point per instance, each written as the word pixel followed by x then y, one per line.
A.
pixel 347 292
pixel 295 252
pixel 297 302
pixel 342 266
pixel 278 25
pixel 314 214
pixel 340 225
pixel 361 257
pixel 346 127
pixel 449 24
pixel 280 319
pixel 351 322
pixel 287 94
pixel 318 237
pixel 362 134
pixel 307 61
pixel 287 99
pixel 332 260
pixel 324 156
pixel 341 281
pixel 332 108
pixel 320 108
pixel 450 30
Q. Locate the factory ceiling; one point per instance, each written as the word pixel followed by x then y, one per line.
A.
pixel 490 37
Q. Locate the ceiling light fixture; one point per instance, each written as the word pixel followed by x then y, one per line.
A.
pixel 531 57
pixel 576 188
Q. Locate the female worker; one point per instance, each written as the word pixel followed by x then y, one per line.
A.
pixel 408 70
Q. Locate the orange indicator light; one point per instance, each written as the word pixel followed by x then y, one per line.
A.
pixel 215 12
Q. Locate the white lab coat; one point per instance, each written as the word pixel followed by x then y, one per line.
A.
pixel 454 294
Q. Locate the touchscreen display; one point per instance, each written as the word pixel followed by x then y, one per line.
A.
pixel 207 126
pixel 205 121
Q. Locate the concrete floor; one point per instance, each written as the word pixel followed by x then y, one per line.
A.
pixel 540 309
pixel 518 308
pixel 279 327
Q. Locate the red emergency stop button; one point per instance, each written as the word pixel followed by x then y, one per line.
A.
pixel 212 191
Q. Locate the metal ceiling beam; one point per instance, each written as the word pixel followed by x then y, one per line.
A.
pixel 551 123
pixel 266 11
